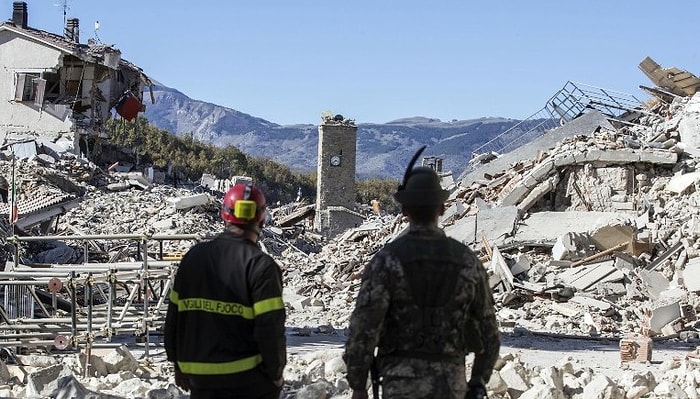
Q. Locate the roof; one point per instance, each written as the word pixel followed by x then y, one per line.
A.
pixel 32 211
pixel 90 52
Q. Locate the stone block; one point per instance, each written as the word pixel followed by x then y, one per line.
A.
pixel 97 367
pixel 637 384
pixel 120 359
pixel 538 192
pixel 654 281
pixel 602 386
pixel 515 196
pixel 522 264
pixel 663 315
pixel 335 367
pixel 682 183
pixel 190 201
pixel 43 382
pixel 316 390
pixel 5 375
pixel 691 275
pixel 496 384
pixel 552 377
pixel 132 388
pixel 672 328
pixel 515 377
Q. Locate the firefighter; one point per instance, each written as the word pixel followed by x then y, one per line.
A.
pixel 224 330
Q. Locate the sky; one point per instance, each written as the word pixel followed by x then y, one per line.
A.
pixel 375 61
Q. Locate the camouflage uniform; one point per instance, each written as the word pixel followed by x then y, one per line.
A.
pixel 425 302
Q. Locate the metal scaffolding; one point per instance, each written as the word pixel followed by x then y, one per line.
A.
pixel 68 306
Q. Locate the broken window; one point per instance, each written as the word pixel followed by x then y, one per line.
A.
pixel 25 87
pixel 53 86
pixel 36 87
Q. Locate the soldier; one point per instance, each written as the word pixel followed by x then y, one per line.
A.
pixel 424 304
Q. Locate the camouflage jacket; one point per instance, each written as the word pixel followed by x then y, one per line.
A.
pixel 384 317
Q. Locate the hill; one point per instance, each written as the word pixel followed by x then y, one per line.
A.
pixel 382 149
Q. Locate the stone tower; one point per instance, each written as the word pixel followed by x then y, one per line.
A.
pixel 335 181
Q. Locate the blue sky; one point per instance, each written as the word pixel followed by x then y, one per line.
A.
pixel 376 61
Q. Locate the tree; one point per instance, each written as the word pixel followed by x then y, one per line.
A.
pixel 188 158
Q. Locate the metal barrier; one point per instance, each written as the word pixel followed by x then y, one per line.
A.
pixel 570 102
pixel 521 133
pixel 575 99
pixel 69 305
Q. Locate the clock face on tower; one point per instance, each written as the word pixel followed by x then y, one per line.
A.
pixel 335 160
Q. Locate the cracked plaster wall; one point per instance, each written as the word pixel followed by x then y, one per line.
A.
pixel 20 54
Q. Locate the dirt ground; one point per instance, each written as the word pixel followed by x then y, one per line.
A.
pixel 600 355
pixel 539 350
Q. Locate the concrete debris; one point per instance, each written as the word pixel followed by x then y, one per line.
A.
pixel 595 237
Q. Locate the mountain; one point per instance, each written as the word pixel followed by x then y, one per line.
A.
pixel 382 149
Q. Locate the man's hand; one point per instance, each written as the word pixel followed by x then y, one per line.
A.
pixel 359 395
pixel 181 380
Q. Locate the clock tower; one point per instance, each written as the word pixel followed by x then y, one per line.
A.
pixel 335 181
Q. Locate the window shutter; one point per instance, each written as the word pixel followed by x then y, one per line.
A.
pixel 19 86
pixel 40 90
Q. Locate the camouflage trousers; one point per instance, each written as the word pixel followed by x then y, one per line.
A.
pixel 422 379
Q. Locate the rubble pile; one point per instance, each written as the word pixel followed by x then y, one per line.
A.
pixel 597 237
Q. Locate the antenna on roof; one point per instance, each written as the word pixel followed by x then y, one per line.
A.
pixel 97 27
pixel 65 10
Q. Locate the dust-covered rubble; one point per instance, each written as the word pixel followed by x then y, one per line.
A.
pixel 623 269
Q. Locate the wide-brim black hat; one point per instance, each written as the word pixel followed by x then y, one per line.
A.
pixel 421 188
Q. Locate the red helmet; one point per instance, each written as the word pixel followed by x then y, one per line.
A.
pixel 243 204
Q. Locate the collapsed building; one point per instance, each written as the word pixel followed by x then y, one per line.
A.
pixel 589 230
pixel 63 90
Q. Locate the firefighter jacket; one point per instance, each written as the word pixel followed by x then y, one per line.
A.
pixel 424 303
pixel 226 314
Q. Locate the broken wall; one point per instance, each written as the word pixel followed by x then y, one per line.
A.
pixel 18 54
pixel 587 188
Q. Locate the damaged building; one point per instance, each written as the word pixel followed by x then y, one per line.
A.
pixel 589 231
pixel 60 90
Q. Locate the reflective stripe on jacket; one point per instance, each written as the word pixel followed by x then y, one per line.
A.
pixel 226 313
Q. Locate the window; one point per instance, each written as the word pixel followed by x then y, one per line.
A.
pixel 53 87
pixel 32 86
pixel 24 86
